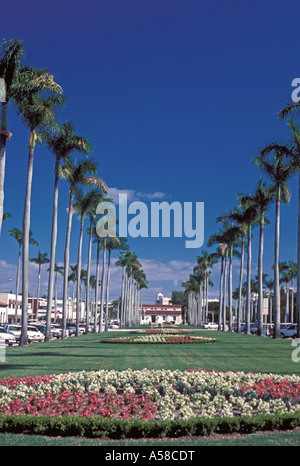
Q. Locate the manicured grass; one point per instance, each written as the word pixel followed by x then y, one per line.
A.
pixel 259 439
pixel 232 352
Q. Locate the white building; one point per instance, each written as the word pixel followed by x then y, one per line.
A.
pixel 9 300
pixel 8 309
pixel 161 299
pixel 161 313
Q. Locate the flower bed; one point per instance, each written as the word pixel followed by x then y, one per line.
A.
pixel 168 331
pixel 151 395
pixel 160 338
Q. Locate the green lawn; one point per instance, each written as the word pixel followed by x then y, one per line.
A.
pixel 232 352
pixel 259 439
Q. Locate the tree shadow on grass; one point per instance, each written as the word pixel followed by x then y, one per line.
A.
pixel 6 367
pixel 65 355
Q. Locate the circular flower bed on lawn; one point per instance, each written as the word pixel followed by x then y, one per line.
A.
pixel 151 394
pixel 163 339
pixel 168 331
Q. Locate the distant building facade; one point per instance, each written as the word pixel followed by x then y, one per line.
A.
pixel 10 314
pixel 161 312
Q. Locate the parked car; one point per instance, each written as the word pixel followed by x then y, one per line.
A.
pixel 113 325
pixel 81 327
pixel 56 330
pixel 33 334
pixel 8 338
pixel 14 330
pixel 55 333
pixel 211 325
pixel 71 328
pixel 254 328
pixel 289 332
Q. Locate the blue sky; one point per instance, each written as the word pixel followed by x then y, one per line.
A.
pixel 175 96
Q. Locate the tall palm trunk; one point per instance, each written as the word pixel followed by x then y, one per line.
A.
pixel 298 268
pixel 96 289
pixel 260 277
pixel 276 269
pixel 17 284
pixel 292 302
pixel 206 295
pixel 122 299
pixel 66 266
pixel 25 248
pixel 240 303
pixel 126 299
pixel 224 292
pixel 88 272
pixel 230 291
pixel 287 303
pixel 55 298
pixel 38 292
pixel 2 158
pixel 102 286
pixel 78 296
pixel 248 296
pixel 107 290
pixel 221 294
pixel 52 253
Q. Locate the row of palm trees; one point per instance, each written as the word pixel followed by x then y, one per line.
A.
pixel 277 163
pixel 38 99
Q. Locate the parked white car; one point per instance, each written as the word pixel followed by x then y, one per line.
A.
pixel 14 330
pixel 56 330
pixel 211 325
pixel 6 337
pixel 33 334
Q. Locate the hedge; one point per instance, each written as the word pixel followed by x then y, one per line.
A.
pixel 136 428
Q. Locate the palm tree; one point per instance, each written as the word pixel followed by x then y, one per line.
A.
pixel 12 52
pixel 39 260
pixel 249 218
pixel 263 196
pixel 139 278
pixel 37 113
pixel 72 278
pixel 95 197
pixel 17 234
pixel 236 217
pixel 97 240
pixel 269 283
pixel 142 285
pixel 112 243
pixel 192 287
pixel 103 247
pixel 292 271
pixel 260 201
pixel 132 266
pixel 206 261
pixel 231 236
pixel 122 262
pixel 227 240
pixel 292 150
pixel 58 269
pixel 81 174
pixel 221 253
pixel 85 205
pixel 62 144
pixel 279 171
pixel 286 278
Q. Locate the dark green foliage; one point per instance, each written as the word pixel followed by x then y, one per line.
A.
pixel 136 428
